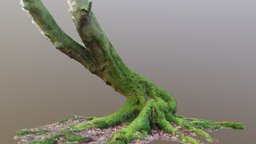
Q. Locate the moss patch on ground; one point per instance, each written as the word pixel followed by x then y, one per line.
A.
pixel 24 132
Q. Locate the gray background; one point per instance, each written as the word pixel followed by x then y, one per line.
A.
pixel 203 51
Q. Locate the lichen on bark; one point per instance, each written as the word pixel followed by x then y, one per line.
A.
pixel 147 105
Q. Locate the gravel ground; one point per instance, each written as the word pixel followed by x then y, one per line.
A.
pixel 93 136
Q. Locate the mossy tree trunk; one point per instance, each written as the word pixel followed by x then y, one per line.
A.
pixel 147 106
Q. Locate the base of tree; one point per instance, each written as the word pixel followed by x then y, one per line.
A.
pixel 148 107
pixel 64 131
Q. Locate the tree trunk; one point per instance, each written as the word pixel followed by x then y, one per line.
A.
pixel 147 106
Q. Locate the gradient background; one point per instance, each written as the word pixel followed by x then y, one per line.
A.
pixel 203 51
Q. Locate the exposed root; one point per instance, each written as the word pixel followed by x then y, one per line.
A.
pixel 212 125
pixel 154 114
pixel 138 122
pixel 167 126
pixel 199 132
pixel 125 114
pixel 137 129
pixel 200 126
pixel 189 140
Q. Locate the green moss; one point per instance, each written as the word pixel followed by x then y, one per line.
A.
pixel 76 138
pixel 24 132
pixel 137 129
pixel 127 135
pixel 207 124
pixel 189 140
pixel 204 124
pixel 67 131
pixel 124 114
pixel 69 136
pixel 202 134
pixel 233 125
pixel 166 126
pixel 46 141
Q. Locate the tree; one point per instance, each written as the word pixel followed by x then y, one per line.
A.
pixel 147 106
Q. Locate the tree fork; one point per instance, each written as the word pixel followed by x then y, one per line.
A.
pixel 147 106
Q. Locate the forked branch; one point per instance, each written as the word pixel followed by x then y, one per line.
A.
pixel 48 26
pixel 93 36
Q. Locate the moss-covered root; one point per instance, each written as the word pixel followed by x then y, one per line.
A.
pixel 189 140
pixel 137 129
pixel 206 124
pixel 212 125
pixel 141 119
pixel 151 115
pixel 124 114
pixel 154 115
pixel 199 127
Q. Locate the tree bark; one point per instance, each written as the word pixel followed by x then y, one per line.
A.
pixel 147 107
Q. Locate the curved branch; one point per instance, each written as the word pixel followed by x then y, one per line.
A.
pixel 46 23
